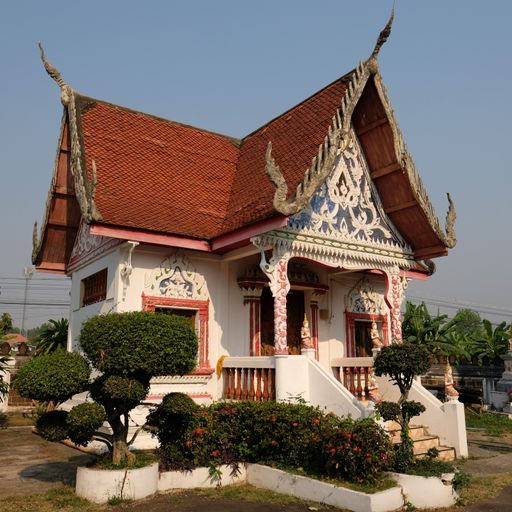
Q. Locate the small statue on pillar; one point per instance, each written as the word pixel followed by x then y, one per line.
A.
pixel 305 335
pixel 373 388
pixel 450 393
pixel 375 337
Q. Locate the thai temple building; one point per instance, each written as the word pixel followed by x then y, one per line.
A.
pixel 289 250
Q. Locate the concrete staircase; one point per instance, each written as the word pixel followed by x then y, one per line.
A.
pixel 422 441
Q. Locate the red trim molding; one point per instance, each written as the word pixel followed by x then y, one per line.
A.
pixel 254 325
pixel 314 327
pixel 350 320
pixel 150 303
pixel 150 238
pixel 241 236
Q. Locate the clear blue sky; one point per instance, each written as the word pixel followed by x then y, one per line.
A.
pixel 229 66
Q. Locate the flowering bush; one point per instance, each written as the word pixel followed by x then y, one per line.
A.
pixel 273 433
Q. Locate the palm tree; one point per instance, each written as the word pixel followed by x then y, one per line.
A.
pixel 53 337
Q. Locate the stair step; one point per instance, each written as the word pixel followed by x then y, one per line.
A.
pixel 422 444
pixel 415 431
pixel 445 453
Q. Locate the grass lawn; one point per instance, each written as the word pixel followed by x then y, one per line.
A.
pixel 63 499
pixel 491 424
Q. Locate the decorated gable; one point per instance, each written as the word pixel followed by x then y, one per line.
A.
pixel 347 207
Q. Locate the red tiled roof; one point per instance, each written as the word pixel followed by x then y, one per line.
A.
pixel 295 137
pixel 162 176
pixel 13 338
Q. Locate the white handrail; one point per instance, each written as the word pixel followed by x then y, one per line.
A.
pixel 249 362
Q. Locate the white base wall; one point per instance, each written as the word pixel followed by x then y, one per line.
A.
pixel 99 485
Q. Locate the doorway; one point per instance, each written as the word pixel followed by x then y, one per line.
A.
pixel 294 318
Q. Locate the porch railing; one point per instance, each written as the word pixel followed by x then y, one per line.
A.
pixel 249 378
pixel 353 373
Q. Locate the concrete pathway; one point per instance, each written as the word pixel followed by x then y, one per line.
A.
pixel 31 465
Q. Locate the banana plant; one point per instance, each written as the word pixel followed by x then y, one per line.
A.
pixel 492 343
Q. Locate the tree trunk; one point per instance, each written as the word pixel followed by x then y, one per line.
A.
pixel 120 451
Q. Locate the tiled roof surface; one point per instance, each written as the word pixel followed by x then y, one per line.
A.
pixel 157 175
pixel 162 176
pixel 295 137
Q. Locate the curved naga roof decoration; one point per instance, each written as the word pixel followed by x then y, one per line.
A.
pixel 85 188
pixel 338 139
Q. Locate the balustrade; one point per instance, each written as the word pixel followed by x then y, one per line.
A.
pixel 354 374
pixel 249 378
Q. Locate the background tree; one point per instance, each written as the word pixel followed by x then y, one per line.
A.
pixel 52 337
pixel 4 387
pixel 469 323
pixel 5 323
pixel 402 363
pixel 128 349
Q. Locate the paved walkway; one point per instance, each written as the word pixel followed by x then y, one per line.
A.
pixel 31 465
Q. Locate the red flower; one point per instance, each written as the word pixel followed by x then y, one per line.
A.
pixel 198 431
pixel 274 442
pixel 316 421
pixel 188 442
pixel 215 453
pixel 295 424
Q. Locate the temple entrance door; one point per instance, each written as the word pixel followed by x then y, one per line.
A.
pixel 295 317
pixel 362 338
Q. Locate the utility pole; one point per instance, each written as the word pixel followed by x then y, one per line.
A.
pixel 28 272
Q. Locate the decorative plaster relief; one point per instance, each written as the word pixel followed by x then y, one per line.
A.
pixel 347 206
pixel 176 277
pixel 87 246
pixel 364 299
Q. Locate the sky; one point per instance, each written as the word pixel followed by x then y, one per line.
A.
pixel 229 66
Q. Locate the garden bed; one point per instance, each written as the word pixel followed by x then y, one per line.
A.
pixel 421 492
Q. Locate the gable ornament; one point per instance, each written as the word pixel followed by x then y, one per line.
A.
pixel 176 277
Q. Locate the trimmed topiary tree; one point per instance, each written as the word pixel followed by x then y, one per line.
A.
pixel 128 349
pixel 402 363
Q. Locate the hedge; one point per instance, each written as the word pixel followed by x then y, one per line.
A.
pixel 274 433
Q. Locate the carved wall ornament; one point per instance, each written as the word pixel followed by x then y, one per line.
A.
pixel 176 277
pixel 364 299
pixel 88 247
pixel 395 293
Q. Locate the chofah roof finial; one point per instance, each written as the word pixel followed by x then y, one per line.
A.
pixel 65 90
pixel 383 37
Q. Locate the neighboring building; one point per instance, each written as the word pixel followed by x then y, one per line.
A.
pixel 14 339
pixel 149 214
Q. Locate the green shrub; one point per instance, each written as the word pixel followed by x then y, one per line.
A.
pixel 121 393
pixel 273 433
pixel 54 377
pixel 140 342
pixel 359 451
pixel 128 349
pixel 83 421
pixel 52 425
